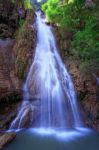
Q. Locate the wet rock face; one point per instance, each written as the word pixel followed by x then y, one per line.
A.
pixel 63 39
pixel 91 102
pixel 87 92
pixel 6 138
pixel 9 83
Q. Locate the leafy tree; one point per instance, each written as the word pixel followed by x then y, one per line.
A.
pixel 82 22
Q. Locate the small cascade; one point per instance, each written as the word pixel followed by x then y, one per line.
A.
pixel 49 95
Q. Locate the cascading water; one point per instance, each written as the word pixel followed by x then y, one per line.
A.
pixel 48 91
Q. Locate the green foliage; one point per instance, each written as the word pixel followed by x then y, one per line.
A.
pixel 86 40
pixel 64 14
pixel 86 43
pixel 84 23
pixel 27 4
pixel 21 22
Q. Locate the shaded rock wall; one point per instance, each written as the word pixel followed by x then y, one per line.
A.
pixel 63 39
pixel 9 82
pixel 8 19
pixel 16 52
pixel 15 58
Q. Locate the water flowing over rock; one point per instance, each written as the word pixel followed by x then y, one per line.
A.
pixel 48 87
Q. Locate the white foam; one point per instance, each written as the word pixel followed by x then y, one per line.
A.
pixel 61 135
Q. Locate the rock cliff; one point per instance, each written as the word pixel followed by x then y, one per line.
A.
pixel 86 85
pixel 17 43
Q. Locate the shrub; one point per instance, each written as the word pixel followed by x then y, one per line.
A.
pixel 82 22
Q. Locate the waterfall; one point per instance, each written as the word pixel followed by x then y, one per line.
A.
pixel 49 96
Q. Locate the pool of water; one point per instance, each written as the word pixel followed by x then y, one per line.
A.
pixel 42 139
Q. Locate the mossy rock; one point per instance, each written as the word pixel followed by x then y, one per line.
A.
pixel 25 44
pixel 20 67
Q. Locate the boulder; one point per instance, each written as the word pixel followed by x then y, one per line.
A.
pixel 6 138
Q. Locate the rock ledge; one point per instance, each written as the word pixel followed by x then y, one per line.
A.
pixel 6 138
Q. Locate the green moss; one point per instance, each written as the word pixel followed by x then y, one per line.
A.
pixel 27 4
pixel 20 67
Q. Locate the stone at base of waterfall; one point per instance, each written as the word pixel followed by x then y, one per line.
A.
pixel 6 138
